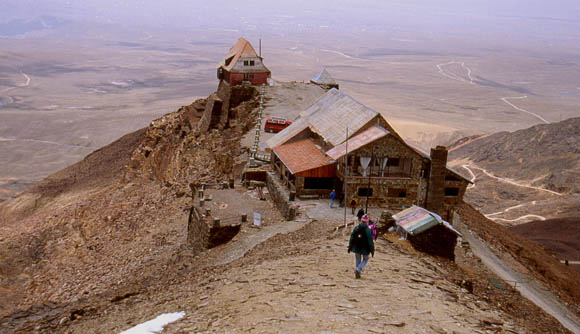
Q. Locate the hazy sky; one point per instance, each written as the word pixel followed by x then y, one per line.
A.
pixel 187 13
pixel 522 20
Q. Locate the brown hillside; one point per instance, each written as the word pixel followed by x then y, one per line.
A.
pixel 535 257
pixel 561 236
pixel 99 227
pixel 549 154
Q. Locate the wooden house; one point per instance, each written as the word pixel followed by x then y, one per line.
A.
pixel 338 140
pixel 243 64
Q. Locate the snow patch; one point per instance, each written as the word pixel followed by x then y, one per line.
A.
pixel 156 325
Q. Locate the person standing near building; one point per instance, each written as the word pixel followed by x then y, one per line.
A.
pixel 360 214
pixel 353 204
pixel 361 243
pixel 332 198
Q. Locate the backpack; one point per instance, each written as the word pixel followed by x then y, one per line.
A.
pixel 360 238
pixel 373 226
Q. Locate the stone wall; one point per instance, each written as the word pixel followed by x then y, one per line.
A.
pixel 212 114
pixel 232 96
pixel 436 190
pixel 413 185
pixel 280 197
pixel 197 231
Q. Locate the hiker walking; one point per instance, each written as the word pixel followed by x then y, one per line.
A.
pixel 332 198
pixel 353 204
pixel 360 214
pixel 361 243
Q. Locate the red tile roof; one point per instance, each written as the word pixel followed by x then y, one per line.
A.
pixel 301 156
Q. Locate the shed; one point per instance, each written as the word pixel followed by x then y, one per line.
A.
pixel 325 80
pixel 427 232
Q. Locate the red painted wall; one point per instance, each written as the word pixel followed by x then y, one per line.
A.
pixel 259 78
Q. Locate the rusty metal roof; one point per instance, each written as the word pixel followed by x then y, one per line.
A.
pixel 329 117
pixel 301 156
pixel 366 137
pixel 242 48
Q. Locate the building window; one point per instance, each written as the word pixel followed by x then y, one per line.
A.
pixel 364 192
pixel 395 192
pixel 246 63
pixel 248 76
pixel 393 162
pixel 318 183
pixel 452 192
pixel 251 63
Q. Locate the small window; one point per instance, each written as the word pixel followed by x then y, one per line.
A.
pixel 393 162
pixel 395 192
pixel 364 192
pixel 451 191
pixel 251 63
pixel 246 63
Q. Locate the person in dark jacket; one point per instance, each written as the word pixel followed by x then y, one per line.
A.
pixel 361 243
pixel 360 214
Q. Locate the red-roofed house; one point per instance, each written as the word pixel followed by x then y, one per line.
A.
pixel 242 63
pixel 311 157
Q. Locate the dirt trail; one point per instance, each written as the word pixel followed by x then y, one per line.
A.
pixel 505 99
pixel 528 288
pixel 317 293
pixel 237 249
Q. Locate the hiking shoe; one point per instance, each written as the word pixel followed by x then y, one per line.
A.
pixel 356 273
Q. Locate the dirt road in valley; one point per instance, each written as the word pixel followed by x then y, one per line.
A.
pixel 505 99
pixel 530 289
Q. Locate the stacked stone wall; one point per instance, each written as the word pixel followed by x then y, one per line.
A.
pixel 197 231
pixel 414 185
pixel 280 197
pixel 436 190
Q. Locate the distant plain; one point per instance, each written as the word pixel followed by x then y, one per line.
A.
pixel 65 95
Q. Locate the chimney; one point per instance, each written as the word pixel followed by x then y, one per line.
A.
pixel 436 188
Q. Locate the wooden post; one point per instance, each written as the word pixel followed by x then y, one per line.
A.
pixel 244 217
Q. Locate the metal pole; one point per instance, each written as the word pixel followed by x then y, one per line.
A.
pixel 369 186
pixel 346 177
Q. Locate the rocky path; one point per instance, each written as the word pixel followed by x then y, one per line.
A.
pixel 238 248
pixel 316 292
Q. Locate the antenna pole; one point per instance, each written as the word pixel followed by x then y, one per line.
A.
pixel 346 179
pixel 260 48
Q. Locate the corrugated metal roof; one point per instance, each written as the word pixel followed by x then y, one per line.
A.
pixel 301 156
pixel 324 78
pixel 329 117
pixel 288 133
pixel 242 48
pixel 368 136
pixel 416 220
pixel 334 112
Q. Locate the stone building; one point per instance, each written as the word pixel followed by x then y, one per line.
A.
pixel 313 156
pixel 243 64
